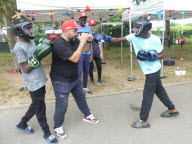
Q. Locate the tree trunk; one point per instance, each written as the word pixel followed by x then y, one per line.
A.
pixel 10 36
pixel 167 26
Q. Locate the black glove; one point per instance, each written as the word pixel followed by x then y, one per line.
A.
pixel 143 55
pixel 43 49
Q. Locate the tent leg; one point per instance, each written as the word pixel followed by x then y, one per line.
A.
pixel 121 44
pixel 131 78
pixel 163 76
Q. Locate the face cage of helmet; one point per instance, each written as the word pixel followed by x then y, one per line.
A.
pixel 28 29
pixel 137 29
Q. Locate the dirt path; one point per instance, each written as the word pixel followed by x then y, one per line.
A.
pixel 114 76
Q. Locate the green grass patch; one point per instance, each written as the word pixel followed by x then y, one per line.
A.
pixel 6 56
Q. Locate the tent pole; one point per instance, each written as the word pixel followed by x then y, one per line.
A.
pixel 131 78
pixel 163 34
pixel 121 43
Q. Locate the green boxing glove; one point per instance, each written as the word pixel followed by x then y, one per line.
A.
pixel 42 50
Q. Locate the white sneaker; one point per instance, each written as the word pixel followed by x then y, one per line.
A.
pixel 87 91
pixel 60 132
pixel 90 119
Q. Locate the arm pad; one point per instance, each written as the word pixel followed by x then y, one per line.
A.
pixel 43 49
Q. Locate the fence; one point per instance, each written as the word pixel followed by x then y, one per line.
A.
pixel 4 47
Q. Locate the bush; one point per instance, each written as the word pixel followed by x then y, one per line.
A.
pixel 38 36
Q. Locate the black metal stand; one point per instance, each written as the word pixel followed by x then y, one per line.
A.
pixel 131 79
pixel 163 76
pixel 169 62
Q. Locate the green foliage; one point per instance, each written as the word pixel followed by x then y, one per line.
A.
pixel 1 20
pixel 38 36
pixel 177 32
pixel 38 33
pixel 115 30
pixel 7 9
pixel 5 56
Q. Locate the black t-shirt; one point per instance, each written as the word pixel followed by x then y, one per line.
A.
pixel 95 45
pixel 63 69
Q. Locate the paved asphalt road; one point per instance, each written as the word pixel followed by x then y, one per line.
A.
pixel 116 112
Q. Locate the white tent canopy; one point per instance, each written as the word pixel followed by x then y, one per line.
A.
pixel 100 10
pixel 154 6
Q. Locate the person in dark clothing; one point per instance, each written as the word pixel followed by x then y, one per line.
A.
pixel 97 54
pixel 67 50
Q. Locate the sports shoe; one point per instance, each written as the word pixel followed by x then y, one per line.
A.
pixel 101 82
pixel 23 89
pixel 28 129
pixel 51 139
pixel 87 91
pixel 93 83
pixel 90 119
pixel 60 132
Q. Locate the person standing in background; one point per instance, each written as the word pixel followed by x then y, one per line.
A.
pixel 97 48
pixel 86 56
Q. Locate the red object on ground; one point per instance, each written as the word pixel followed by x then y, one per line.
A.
pixel 53 36
pixel 182 41
pixel 13 71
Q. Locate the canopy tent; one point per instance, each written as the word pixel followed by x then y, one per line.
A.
pixel 158 10
pixel 173 9
pixel 60 10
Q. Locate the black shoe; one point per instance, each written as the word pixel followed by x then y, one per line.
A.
pixel 23 89
pixel 101 82
pixel 93 83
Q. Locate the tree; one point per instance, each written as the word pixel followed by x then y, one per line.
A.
pixel 7 10
pixel 138 1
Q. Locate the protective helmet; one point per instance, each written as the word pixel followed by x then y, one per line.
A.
pixel 142 26
pixel 23 28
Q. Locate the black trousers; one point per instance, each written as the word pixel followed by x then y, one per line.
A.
pixel 153 85
pixel 97 60
pixel 37 108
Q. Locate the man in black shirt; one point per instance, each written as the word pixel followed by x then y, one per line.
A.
pixel 67 51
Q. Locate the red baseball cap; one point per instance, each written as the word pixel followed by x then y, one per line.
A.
pixel 92 22
pixel 82 15
pixel 69 24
